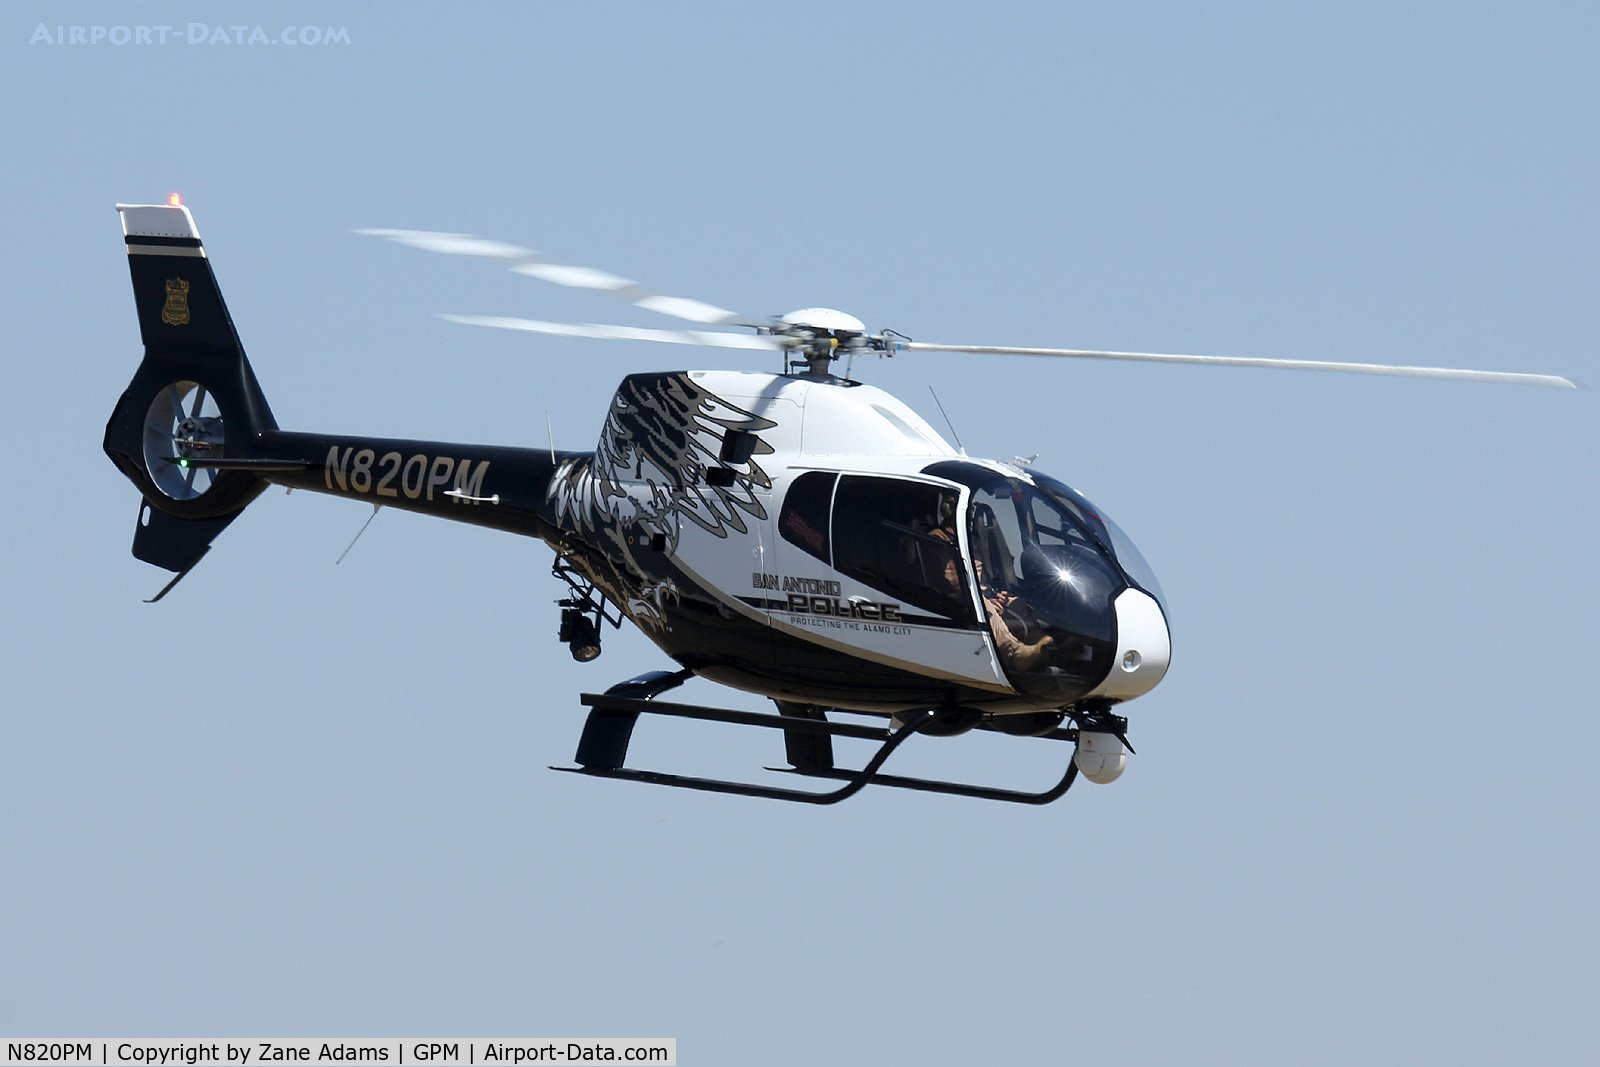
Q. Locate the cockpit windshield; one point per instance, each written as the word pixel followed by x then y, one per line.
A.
pixel 1128 556
pixel 1048 567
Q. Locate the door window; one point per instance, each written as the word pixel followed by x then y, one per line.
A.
pixel 900 537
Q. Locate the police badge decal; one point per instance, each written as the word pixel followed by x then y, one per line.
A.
pixel 176 311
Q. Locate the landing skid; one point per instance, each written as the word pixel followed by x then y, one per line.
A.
pixel 603 748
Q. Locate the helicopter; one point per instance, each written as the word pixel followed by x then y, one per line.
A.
pixel 795 534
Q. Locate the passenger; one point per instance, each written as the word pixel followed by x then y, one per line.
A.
pixel 952 575
pixel 952 563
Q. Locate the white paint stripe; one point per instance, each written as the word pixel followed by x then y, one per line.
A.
pixel 157 220
pixel 166 250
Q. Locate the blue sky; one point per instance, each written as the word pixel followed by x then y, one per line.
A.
pixel 301 800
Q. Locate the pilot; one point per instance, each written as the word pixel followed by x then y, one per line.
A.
pixel 1015 653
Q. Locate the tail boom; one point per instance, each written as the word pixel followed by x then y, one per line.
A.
pixel 195 434
pixel 486 485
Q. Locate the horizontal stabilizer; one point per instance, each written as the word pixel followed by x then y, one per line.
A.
pixel 242 463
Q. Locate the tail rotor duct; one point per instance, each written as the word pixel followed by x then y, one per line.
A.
pixel 182 424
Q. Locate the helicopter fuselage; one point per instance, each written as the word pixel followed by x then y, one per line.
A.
pixel 800 536
pixel 811 539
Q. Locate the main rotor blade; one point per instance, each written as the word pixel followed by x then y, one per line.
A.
pixel 1281 364
pixel 620 333
pixel 526 261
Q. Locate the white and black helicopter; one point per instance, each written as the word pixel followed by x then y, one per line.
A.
pixel 798 535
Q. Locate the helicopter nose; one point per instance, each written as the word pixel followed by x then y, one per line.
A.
pixel 1144 648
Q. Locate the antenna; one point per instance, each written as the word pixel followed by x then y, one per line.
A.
pixel 375 509
pixel 948 423
pixel 551 435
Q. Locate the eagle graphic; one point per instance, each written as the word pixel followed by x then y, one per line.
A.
pixel 648 475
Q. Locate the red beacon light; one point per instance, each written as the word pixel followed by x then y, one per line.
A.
pixel 174 200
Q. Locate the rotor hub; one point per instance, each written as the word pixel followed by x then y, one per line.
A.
pixel 819 335
pixel 194 437
pixel 826 320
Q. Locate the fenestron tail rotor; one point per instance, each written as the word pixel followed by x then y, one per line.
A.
pixel 821 335
pixel 181 425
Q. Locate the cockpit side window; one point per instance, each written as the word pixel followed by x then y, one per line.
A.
pixel 900 537
pixel 997 535
pixel 804 519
